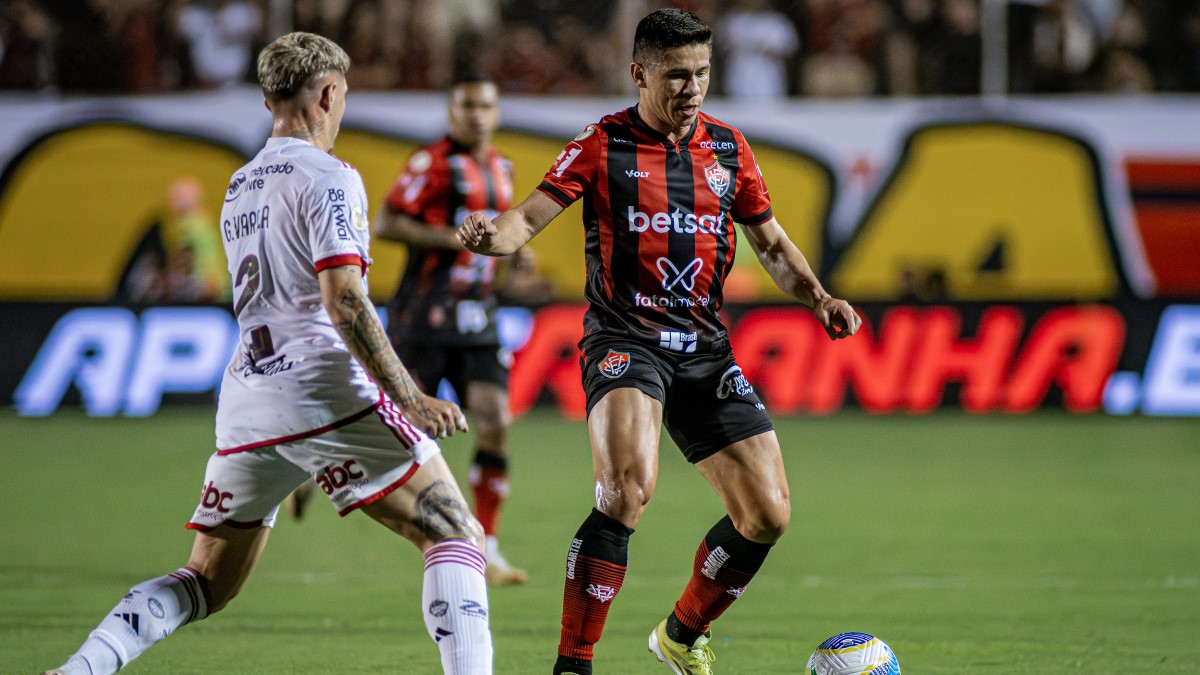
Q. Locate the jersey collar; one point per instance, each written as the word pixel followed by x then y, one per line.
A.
pixel 657 135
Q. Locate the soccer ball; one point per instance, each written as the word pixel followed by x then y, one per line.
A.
pixel 853 654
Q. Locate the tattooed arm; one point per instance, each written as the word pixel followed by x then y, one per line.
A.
pixel 353 314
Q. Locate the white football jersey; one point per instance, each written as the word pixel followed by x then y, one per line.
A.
pixel 293 211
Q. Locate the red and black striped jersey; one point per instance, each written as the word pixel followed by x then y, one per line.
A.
pixel 659 224
pixel 448 296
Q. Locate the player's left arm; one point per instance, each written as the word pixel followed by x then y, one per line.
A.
pixel 790 270
pixel 333 207
pixel 353 314
pixel 400 227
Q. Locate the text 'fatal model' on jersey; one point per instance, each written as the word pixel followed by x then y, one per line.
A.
pixel 652 301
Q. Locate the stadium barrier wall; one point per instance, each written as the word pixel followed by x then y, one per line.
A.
pixel 1079 199
pixel 1138 357
pixel 1008 254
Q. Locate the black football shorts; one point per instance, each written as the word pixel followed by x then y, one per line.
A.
pixel 707 402
pixel 458 365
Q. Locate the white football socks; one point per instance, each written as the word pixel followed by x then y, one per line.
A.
pixel 455 605
pixel 454 599
pixel 151 611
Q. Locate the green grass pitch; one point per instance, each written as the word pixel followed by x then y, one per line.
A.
pixel 1040 544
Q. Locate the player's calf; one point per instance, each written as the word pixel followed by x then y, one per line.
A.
pixel 455 605
pixel 596 565
pixel 151 611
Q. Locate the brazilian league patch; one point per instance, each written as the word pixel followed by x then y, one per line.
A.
pixel 615 364
pixel 591 129
pixel 717 177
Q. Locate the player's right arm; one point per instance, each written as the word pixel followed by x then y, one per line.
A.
pixel 353 314
pixel 401 227
pixel 510 230
pixel 565 182
pixel 423 185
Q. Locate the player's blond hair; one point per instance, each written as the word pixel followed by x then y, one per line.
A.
pixel 288 62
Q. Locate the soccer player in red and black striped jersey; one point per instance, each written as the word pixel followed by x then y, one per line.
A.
pixel 443 316
pixel 662 185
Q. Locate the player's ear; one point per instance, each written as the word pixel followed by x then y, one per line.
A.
pixel 327 93
pixel 638 72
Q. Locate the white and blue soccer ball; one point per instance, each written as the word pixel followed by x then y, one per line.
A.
pixel 853 654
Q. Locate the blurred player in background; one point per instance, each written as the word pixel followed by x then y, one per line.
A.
pixel 196 264
pixel 179 259
pixel 662 184
pixel 314 389
pixel 443 319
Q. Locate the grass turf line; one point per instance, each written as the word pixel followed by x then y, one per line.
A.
pixel 1046 543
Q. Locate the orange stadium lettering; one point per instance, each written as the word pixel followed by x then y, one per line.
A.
pixel 999 358
pixel 906 365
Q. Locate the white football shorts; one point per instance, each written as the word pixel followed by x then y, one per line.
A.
pixel 354 464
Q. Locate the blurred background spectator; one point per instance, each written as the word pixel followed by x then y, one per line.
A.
pixel 222 38
pixel 843 53
pixel 958 49
pixel 27 37
pixel 754 43
pixel 763 49
pixel 179 258
pixel 365 31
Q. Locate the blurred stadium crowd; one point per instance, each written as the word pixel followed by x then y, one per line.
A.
pixel 764 48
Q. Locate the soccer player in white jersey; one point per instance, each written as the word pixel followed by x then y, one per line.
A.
pixel 314 389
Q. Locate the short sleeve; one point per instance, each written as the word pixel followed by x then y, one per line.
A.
pixel 751 203
pixel 337 223
pixel 420 183
pixel 574 169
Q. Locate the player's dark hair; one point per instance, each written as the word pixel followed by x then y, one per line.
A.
pixel 666 29
pixel 471 77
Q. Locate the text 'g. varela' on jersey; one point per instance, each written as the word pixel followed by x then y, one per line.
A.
pixel 659 224
pixel 293 211
pixel 448 297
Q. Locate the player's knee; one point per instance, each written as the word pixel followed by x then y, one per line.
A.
pixel 495 419
pixel 635 494
pixel 624 499
pixel 473 532
pixel 442 514
pixel 767 524
pixel 468 529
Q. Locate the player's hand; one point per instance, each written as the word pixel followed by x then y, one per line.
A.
pixel 434 416
pixel 474 230
pixel 838 317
